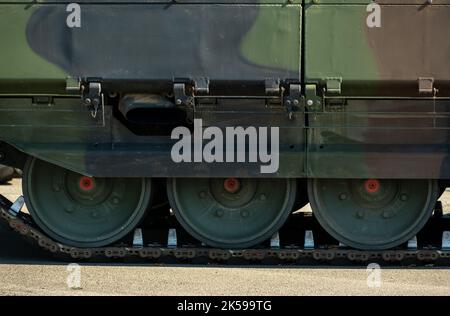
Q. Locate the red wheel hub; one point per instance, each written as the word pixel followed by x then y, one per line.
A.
pixel 372 185
pixel 231 185
pixel 86 183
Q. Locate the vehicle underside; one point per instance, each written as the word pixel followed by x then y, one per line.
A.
pixel 207 137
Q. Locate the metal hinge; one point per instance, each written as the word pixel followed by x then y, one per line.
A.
pixel 293 99
pixel 92 96
pixel 180 92
pixel 91 93
pixel 426 85
pixel 73 85
pixel 185 90
pixel 201 86
pixel 272 86
pixel 313 101
pixel 333 85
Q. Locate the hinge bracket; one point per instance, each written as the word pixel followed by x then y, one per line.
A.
pixel 73 85
pixel 313 101
pixel 293 99
pixel 92 96
pixel 184 91
pixel 426 85
pixel 334 85
pixel 181 96
pixel 201 86
pixel 272 86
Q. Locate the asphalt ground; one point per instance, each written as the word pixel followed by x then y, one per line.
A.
pixel 25 270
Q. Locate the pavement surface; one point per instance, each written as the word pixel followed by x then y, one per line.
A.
pixel 25 270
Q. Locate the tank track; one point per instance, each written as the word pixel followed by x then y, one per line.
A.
pixel 433 246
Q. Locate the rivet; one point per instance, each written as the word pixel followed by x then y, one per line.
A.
pixel 94 214
pixel 70 209
pixel 360 214
pixel 244 214
pixel 386 214
pixel 403 197
pixel 179 102
pixel 56 187
pixel 342 196
pixel 262 197
pixel 202 195
pixel 115 200
pixel 219 213
pixel 310 102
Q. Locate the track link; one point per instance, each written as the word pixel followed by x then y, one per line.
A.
pixel 304 251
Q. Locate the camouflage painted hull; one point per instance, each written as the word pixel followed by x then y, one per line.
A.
pixel 364 113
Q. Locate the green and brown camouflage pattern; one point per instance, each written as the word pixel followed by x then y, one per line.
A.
pixel 378 125
pixel 149 40
pixel 386 61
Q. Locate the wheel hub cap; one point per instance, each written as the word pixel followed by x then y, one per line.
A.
pixel 231 185
pixel 86 183
pixel 83 211
pixel 231 213
pixel 372 214
pixel 372 185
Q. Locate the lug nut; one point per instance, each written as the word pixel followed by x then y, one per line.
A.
pixel 244 214
pixel 56 187
pixel 70 209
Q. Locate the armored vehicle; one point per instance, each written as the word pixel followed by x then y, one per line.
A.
pixel 231 115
